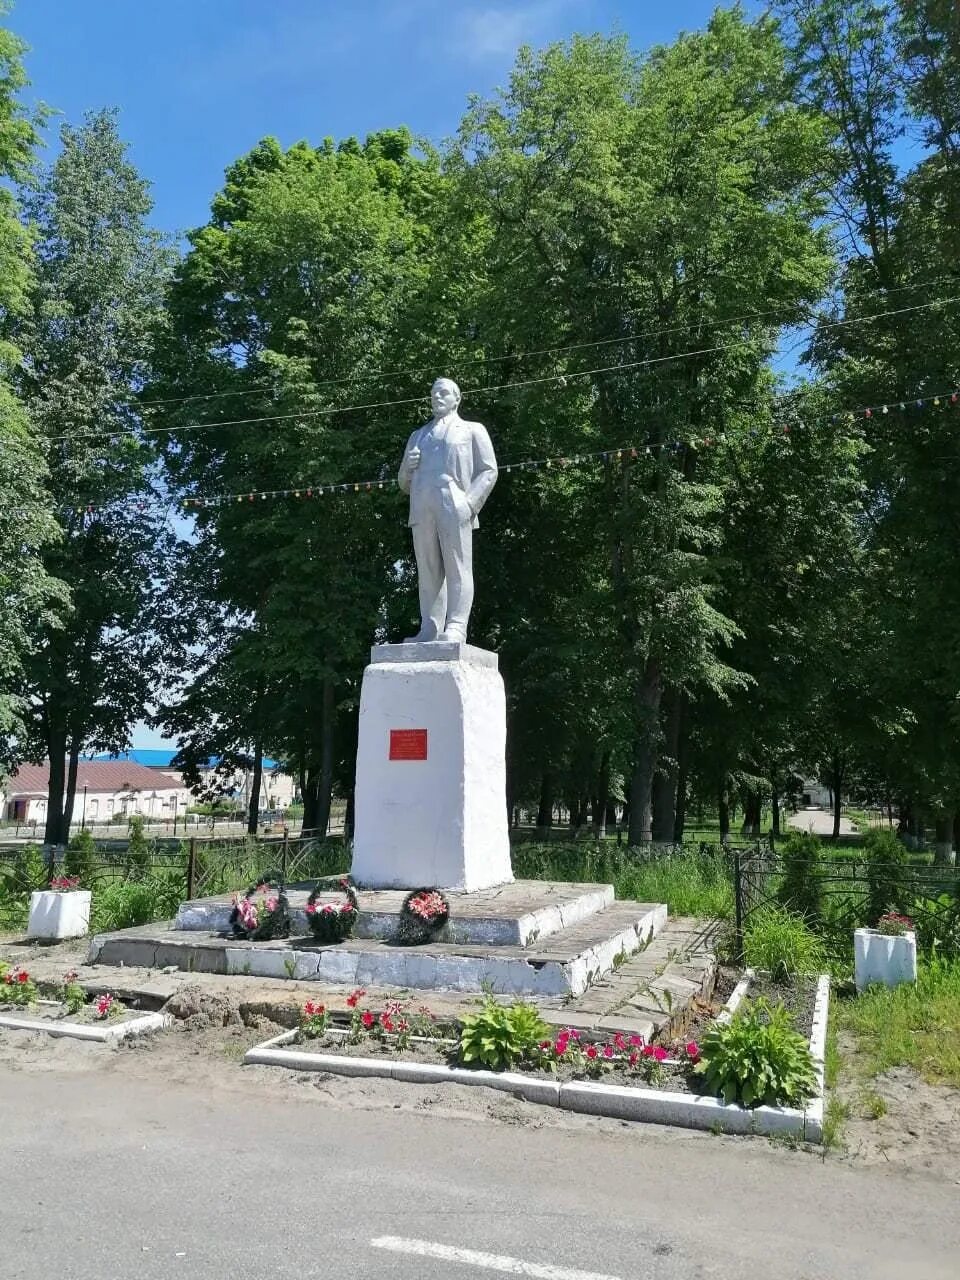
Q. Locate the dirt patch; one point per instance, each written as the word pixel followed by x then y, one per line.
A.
pixel 898 1120
pixel 799 997
pixel 198 1009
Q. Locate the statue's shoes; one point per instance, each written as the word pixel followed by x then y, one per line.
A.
pixel 453 635
pixel 422 637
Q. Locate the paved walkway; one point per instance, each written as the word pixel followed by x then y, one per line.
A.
pixel 820 822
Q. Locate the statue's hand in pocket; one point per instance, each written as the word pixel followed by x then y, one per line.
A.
pixel 460 504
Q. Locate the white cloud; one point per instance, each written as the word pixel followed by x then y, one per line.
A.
pixel 494 32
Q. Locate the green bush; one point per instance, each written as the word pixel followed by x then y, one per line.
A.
pixel 782 943
pixel 133 902
pixel 80 859
pixel 887 864
pixel 500 1036
pixel 757 1058
pixel 801 889
pixel 139 850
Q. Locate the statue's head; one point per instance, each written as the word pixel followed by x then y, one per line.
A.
pixel 444 396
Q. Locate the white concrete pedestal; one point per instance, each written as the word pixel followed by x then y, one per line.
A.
pixel 58 913
pixel 431 776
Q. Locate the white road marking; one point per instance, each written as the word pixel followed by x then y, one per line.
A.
pixel 489 1261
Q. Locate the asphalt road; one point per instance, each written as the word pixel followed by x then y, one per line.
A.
pixel 108 1178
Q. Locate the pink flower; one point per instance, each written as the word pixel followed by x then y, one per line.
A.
pixel 619 1040
pixel 574 1035
pixel 659 1053
pixel 634 1059
pixel 591 1051
pixel 386 1022
pixel 636 1041
pixel 367 1019
pixel 311 908
pixel 71 976
pixel 608 1050
pixel 692 1050
pixel 560 1048
pixel 346 909
pixel 103 1004
pixel 647 1051
pixel 403 1025
pixel 328 909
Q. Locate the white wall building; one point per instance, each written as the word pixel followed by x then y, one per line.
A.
pixel 106 789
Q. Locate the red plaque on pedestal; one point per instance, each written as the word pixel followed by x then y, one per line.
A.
pixel 408 744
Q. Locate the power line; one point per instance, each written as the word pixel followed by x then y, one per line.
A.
pixel 562 378
pixel 378 375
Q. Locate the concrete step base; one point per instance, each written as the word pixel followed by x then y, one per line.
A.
pixel 512 915
pixel 563 963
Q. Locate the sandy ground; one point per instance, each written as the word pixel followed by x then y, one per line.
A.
pixel 820 822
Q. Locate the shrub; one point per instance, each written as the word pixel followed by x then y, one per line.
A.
pixel 133 902
pixel 783 943
pixel 139 850
pixel 757 1058
pixel 501 1035
pixel 886 872
pixel 80 859
pixel 937 924
pixel 801 889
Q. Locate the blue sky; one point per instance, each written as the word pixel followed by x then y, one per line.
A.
pixel 198 82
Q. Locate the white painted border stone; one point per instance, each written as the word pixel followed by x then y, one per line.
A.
pixel 83 1031
pixel 656 1106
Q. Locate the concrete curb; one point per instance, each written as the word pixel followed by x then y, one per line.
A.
pixel 654 1106
pixel 82 1031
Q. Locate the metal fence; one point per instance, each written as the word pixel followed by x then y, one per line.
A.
pixel 840 893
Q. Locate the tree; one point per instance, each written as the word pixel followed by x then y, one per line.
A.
pixel 29 597
pixel 644 205
pixel 96 295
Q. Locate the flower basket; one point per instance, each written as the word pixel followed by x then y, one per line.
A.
pixel 260 914
pixel 333 922
pixel 423 916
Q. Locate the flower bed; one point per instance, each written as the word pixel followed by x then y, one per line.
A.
pixel 71 1012
pixel 617 1075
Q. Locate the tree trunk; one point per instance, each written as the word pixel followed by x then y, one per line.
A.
pixel 723 811
pixel 602 798
pixel 646 734
pixel 349 814
pixel 956 836
pixel 943 847
pixel 836 787
pixel 775 813
pixel 71 790
pixel 253 811
pixel 327 725
pixel 57 752
pixel 545 808
pixel 680 805
pixel 665 781
pixel 310 791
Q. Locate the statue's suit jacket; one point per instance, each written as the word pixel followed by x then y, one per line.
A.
pixel 468 461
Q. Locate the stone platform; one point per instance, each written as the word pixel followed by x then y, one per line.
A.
pixel 527 938
pixel 515 914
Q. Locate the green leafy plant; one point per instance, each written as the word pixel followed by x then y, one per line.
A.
pixel 72 994
pixel 80 859
pixel 801 889
pixel 17 987
pixel 937 924
pixel 886 873
pixel 757 1058
pixel 782 943
pixel 139 850
pixel 500 1036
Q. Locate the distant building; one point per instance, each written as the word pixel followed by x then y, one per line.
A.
pixel 276 791
pixel 105 789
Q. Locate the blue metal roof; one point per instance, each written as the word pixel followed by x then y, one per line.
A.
pixel 157 758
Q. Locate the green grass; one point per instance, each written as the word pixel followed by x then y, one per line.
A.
pixel 694 883
pixel 914 1025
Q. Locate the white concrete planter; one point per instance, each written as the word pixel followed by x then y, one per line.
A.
pixel 100 1032
pixel 55 913
pixel 884 958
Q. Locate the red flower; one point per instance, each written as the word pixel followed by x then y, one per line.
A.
pixel 22 976
pixel 367 1019
pixel 313 1010
pixel 328 909
pixel 660 1053
pixel 544 1044
pixel 354 997
pixel 608 1050
pixel 574 1035
pixel 692 1051
pixel 560 1048
pixel 634 1059
pixel 647 1051
pixel 619 1040
pixel 386 1022
pixel 403 1025
pixel 311 908
pixel 591 1051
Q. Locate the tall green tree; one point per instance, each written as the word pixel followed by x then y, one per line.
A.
pixel 28 595
pixel 94 300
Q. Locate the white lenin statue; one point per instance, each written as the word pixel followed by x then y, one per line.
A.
pixel 448 469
